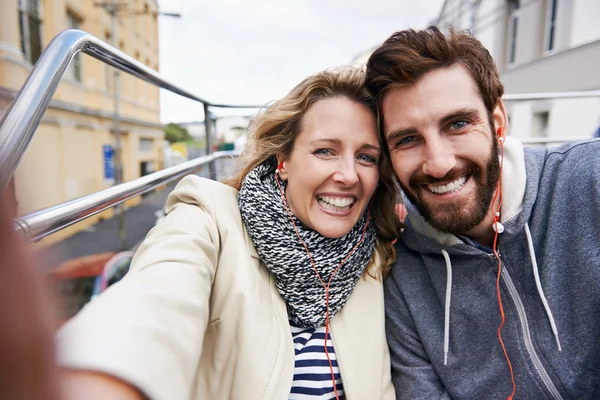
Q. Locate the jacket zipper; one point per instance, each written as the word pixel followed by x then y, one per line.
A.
pixel 539 367
pixel 346 395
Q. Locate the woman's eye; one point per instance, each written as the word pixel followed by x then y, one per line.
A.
pixel 322 152
pixel 367 158
pixel 458 124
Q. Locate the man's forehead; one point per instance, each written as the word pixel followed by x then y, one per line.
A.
pixel 436 94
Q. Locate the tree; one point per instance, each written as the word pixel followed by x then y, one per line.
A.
pixel 176 133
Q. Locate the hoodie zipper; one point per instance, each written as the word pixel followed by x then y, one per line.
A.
pixel 539 367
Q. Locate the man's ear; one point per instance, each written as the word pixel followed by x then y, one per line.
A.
pixel 281 167
pixel 500 117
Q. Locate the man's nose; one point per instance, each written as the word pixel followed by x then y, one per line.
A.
pixel 440 158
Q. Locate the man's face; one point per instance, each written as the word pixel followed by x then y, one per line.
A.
pixel 444 148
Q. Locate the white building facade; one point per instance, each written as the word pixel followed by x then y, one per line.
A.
pixel 539 46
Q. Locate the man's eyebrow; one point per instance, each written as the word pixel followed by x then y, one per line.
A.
pixel 398 133
pixel 463 113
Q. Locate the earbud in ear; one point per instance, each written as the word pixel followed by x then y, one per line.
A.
pixel 280 167
pixel 500 133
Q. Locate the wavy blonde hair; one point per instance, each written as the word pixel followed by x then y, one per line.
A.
pixel 273 132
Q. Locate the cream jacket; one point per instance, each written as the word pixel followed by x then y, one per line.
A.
pixel 198 316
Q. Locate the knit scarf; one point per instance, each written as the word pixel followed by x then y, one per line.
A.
pixel 272 232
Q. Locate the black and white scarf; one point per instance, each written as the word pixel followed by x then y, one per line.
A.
pixel 270 227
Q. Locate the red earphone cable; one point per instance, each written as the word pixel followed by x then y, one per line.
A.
pixel 326 287
pixel 498 196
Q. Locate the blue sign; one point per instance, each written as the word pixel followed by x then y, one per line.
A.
pixel 109 164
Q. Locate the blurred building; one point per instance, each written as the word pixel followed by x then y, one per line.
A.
pixel 539 46
pixel 66 157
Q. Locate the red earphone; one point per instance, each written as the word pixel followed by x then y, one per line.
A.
pixel 498 229
pixel 327 285
pixel 280 166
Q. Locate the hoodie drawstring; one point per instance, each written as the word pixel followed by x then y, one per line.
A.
pixel 536 274
pixel 447 312
pixel 538 284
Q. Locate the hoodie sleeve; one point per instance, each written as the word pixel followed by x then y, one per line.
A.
pixel 413 374
pixel 148 328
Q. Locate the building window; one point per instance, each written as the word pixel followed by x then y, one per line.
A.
pixel 540 124
pixel 73 22
pixel 550 28
pixel 513 25
pixel 146 145
pixel 30 29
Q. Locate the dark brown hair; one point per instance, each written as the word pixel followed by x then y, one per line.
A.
pixel 274 131
pixel 408 55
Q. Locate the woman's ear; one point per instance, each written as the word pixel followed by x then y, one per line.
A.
pixel 281 168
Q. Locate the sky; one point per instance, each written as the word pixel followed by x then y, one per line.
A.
pixel 252 52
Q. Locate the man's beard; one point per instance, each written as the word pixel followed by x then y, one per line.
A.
pixel 453 217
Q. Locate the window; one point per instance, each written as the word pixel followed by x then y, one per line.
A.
pixel 146 145
pixel 550 28
pixel 513 25
pixel 73 22
pixel 540 124
pixel 30 29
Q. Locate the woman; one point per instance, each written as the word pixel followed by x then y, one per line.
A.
pixel 232 295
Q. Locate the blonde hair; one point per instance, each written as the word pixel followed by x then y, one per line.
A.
pixel 274 131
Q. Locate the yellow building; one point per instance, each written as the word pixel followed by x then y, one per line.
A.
pixel 65 158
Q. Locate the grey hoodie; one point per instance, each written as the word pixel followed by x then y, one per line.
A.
pixel 443 287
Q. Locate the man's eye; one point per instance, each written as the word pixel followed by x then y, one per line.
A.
pixel 406 140
pixel 458 124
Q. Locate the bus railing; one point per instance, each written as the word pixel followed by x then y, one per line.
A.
pixel 39 224
pixel 23 117
pixel 20 122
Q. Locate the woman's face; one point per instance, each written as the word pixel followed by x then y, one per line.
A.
pixel 332 171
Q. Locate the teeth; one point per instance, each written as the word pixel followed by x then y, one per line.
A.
pixel 335 203
pixel 449 187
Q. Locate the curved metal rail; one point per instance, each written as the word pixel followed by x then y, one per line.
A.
pixel 39 224
pixel 21 120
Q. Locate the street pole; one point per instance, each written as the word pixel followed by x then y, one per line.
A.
pixel 208 127
pixel 114 15
pixel 113 7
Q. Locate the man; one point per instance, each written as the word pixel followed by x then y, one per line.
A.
pixel 496 291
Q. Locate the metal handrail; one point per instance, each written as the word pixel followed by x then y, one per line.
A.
pixel 551 95
pixel 39 224
pixel 21 120
pixel 551 140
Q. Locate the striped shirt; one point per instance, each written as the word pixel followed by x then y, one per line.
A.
pixel 312 375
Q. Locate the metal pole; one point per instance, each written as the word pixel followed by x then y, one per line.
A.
pixel 208 126
pixel 114 10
